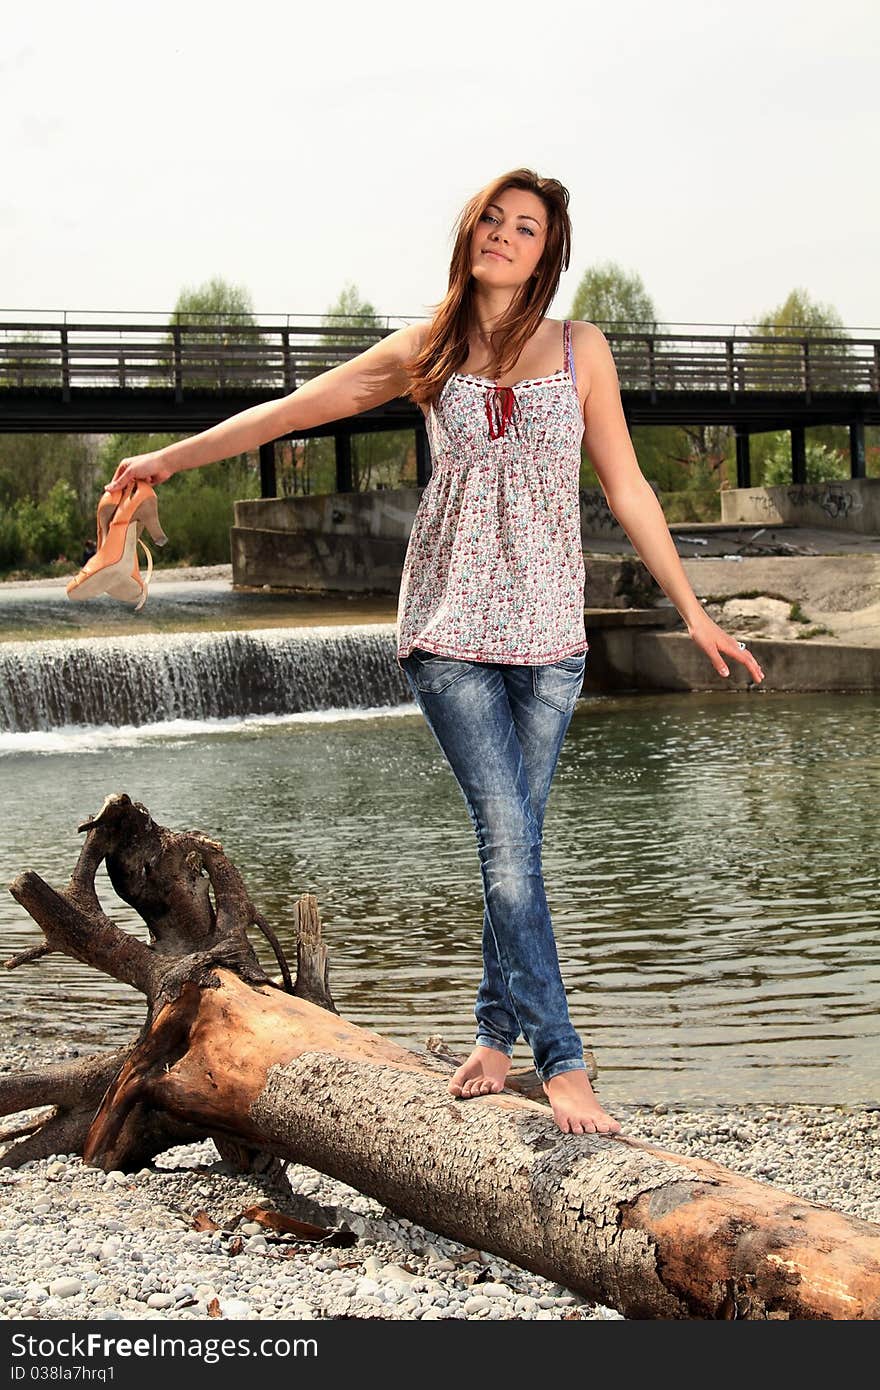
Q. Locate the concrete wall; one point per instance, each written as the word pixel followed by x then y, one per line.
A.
pixel 309 560
pixel 356 542
pixel 850 504
pixel 342 562
pixel 631 658
pixel 388 512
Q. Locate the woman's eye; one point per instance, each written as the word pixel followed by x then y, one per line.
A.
pixel 487 217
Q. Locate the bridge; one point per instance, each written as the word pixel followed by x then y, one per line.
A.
pixel 77 373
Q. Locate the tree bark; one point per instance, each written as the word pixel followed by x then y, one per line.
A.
pixel 266 1071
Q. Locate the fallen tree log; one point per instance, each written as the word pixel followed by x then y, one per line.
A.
pixel 271 1070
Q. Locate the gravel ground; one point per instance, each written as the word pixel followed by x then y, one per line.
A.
pixel 79 1243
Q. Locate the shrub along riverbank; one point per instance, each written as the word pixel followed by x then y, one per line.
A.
pixel 44 526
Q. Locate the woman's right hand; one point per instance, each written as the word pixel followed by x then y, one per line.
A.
pixel 151 468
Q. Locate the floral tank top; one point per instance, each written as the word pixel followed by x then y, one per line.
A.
pixel 494 568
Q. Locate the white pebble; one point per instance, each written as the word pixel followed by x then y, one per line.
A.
pixel 496 1290
pixel 235 1308
pixel 476 1303
pixel 297 1309
pixel 160 1300
pixel 65 1288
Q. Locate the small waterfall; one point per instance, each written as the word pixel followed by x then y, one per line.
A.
pixel 152 678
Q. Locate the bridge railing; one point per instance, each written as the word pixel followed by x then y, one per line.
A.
pixel 188 357
pixel 234 358
pixel 670 362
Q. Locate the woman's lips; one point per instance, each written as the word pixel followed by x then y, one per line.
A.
pixel 497 254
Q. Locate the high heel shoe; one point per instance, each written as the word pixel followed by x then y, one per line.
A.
pixel 113 569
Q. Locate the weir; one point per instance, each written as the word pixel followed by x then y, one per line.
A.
pixel 156 677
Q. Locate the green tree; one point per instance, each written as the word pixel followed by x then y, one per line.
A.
pixel 615 300
pixel 778 365
pixel 678 459
pixel 350 311
pixel 37 534
pixel 49 488
pixel 220 346
pixel 823 464
pixel 378 459
pixel 799 316
pixel 31 463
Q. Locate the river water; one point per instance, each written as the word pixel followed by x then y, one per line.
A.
pixel 711 862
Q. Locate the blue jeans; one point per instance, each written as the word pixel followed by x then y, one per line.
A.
pixel 501 728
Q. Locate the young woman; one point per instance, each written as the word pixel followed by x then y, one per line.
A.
pixel 490 631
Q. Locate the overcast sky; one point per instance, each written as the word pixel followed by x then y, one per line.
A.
pixel 726 150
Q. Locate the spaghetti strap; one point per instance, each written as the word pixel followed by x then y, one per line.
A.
pixel 569 359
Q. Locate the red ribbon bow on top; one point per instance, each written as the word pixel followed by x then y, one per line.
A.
pixel 500 404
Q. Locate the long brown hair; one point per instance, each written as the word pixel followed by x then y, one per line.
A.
pixel 446 345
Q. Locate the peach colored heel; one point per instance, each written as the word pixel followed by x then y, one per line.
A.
pixel 113 569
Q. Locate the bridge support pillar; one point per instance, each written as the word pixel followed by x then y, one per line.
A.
pixel 268 482
pixel 423 455
pixel 743 457
pixel 857 448
pixel 343 462
pixel 798 454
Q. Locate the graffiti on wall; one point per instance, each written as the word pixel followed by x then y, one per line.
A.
pixel 597 518
pixel 835 499
pixel 852 504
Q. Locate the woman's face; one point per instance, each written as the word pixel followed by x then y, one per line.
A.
pixel 515 228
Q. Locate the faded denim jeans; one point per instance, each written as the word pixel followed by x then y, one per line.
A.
pixel 501 728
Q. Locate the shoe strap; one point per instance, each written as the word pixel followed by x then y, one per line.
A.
pixel 146 582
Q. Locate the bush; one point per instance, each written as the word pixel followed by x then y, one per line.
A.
pixel 824 464
pixel 34 533
pixel 10 540
pixel 196 509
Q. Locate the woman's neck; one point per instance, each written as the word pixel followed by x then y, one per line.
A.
pixel 487 310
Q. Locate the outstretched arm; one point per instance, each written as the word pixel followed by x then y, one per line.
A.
pixel 373 377
pixel 634 503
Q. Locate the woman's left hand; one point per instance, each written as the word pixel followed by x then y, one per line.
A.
pixel 717 644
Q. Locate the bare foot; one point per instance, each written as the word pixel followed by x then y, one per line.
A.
pixel 575 1107
pixel 482 1074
